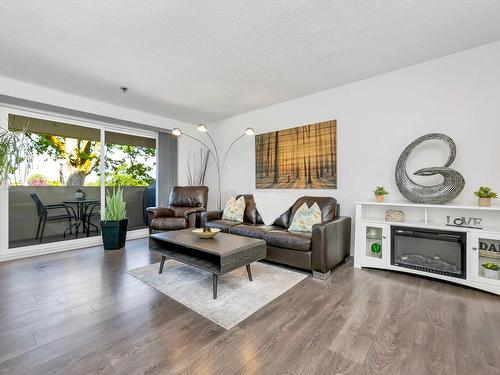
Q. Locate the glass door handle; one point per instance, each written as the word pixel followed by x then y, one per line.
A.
pixel 474 248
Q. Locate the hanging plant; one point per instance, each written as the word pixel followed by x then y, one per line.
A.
pixel 14 149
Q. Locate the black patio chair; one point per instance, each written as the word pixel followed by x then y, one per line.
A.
pixel 92 210
pixel 43 216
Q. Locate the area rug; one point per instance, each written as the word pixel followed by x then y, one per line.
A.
pixel 237 297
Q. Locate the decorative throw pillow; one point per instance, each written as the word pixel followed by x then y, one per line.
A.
pixel 235 209
pixel 305 218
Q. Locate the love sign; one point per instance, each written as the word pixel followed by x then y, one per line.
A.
pixel 463 221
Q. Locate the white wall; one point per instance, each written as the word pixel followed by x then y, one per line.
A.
pixel 458 95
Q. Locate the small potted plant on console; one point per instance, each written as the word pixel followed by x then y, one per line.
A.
pixel 491 270
pixel 485 195
pixel 380 192
pixel 114 224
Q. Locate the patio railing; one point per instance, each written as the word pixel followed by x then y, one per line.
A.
pixel 23 218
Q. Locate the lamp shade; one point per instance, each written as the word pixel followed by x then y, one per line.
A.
pixel 202 128
pixel 177 132
pixel 249 131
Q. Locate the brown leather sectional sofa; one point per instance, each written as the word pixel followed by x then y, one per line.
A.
pixel 319 251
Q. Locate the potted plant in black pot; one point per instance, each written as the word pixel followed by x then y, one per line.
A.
pixel 114 224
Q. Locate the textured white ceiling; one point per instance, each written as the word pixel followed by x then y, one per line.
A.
pixel 201 61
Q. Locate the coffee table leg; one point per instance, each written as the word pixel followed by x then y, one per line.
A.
pixel 249 271
pixel 162 263
pixel 214 282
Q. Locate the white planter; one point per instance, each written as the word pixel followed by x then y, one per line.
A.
pixel 491 274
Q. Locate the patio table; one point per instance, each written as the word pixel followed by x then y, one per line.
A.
pixel 81 208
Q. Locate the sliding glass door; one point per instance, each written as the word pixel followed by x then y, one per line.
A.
pixel 57 193
pixel 131 164
pixel 47 191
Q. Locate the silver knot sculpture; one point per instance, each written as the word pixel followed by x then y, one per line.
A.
pixel 449 189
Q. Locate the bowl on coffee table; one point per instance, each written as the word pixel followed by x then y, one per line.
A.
pixel 206 233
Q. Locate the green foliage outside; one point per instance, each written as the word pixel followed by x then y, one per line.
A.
pixel 38 179
pixel 82 156
pixel 129 173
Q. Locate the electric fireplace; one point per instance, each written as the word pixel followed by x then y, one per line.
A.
pixel 433 251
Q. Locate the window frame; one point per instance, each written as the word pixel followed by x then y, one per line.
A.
pixel 7 253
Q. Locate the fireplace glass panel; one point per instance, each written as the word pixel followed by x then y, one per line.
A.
pixel 440 252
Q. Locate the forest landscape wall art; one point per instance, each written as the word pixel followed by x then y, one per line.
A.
pixel 304 157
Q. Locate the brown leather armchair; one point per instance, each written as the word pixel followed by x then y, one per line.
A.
pixel 185 205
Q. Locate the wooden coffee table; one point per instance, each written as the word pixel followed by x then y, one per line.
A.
pixel 219 255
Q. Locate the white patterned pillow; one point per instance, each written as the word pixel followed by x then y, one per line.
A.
pixel 305 218
pixel 235 209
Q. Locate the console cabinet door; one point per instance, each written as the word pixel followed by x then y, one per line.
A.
pixel 485 258
pixel 375 245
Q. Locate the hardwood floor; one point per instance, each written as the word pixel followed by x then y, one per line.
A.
pixel 80 312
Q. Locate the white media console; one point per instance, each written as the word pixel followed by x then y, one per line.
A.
pixel 424 244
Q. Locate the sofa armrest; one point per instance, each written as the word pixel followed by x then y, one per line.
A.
pixel 193 216
pixel 193 211
pixel 331 244
pixel 154 212
pixel 207 216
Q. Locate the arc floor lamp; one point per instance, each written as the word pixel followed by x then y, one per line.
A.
pixel 214 151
